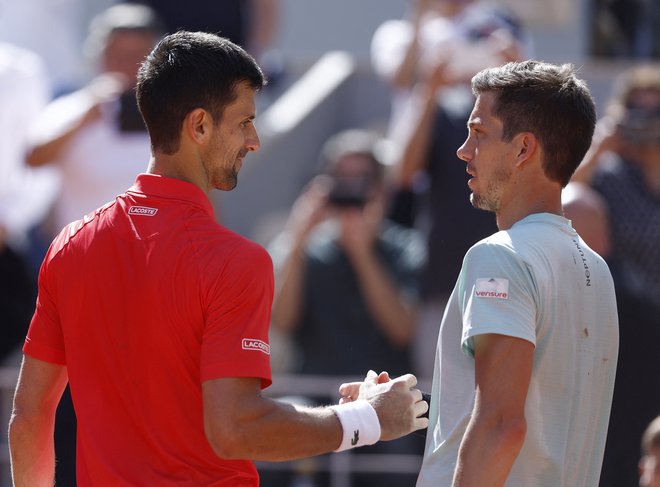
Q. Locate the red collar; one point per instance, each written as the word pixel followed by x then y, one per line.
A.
pixel 164 187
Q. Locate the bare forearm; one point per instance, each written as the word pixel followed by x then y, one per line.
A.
pixel 32 452
pixel 416 146
pixel 47 152
pixel 270 430
pixel 289 432
pixel 388 306
pixel 51 149
pixel 487 452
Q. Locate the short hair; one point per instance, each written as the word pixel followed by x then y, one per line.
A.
pixel 189 70
pixel 353 142
pixel 651 436
pixel 549 101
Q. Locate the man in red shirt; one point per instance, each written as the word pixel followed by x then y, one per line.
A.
pixel 158 317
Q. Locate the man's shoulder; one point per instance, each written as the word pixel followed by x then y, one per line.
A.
pixel 218 246
pixel 77 229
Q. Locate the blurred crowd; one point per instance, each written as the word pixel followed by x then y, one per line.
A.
pixel 372 246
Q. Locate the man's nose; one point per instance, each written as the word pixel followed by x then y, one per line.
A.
pixel 253 143
pixel 463 153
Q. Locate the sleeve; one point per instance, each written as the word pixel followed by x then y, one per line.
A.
pixel 497 294
pixel 45 340
pixel 235 340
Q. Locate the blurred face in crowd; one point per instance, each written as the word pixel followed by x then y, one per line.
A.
pixel 125 50
pixel 233 137
pixel 354 184
pixel 488 157
pixel 640 125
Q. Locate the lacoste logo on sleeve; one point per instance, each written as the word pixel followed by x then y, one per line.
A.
pixel 356 437
pixel 492 287
pixel 142 210
pixel 254 344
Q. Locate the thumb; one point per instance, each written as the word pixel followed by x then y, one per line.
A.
pixel 372 377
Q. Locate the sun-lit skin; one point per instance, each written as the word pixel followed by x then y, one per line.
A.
pixel 232 138
pixel 507 176
pixel 487 156
pixel 211 151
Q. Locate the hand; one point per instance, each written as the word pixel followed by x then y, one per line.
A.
pixel 358 231
pixel 309 210
pixel 397 404
pixel 606 135
pixel 349 391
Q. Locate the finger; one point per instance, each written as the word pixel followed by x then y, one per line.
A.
pixel 372 377
pixel 417 395
pixel 420 408
pixel 420 423
pixel 409 379
pixel 349 388
pixel 383 377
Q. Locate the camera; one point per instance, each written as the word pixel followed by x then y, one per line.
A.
pixel 350 192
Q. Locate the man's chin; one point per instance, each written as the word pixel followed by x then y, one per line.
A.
pixel 227 184
pixel 481 203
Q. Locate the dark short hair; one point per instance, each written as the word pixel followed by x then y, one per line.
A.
pixel 549 101
pixel 189 70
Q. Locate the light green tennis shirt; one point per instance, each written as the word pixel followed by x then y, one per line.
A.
pixel 537 281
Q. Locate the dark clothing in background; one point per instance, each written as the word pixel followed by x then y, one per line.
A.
pixel 455 225
pixel 227 18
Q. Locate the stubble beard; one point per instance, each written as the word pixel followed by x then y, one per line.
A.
pixel 225 180
pixel 491 199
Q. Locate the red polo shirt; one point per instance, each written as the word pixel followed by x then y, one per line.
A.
pixel 142 300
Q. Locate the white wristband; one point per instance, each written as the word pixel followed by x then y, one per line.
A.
pixel 360 424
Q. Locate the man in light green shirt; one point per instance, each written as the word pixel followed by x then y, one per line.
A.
pixel 527 348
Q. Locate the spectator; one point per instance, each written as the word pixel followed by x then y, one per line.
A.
pixel 95 136
pixel 25 194
pixel 623 165
pixel 429 61
pixel 649 465
pixel 636 392
pixel 346 278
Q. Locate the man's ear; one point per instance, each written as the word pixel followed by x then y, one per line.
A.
pixel 527 146
pixel 197 125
